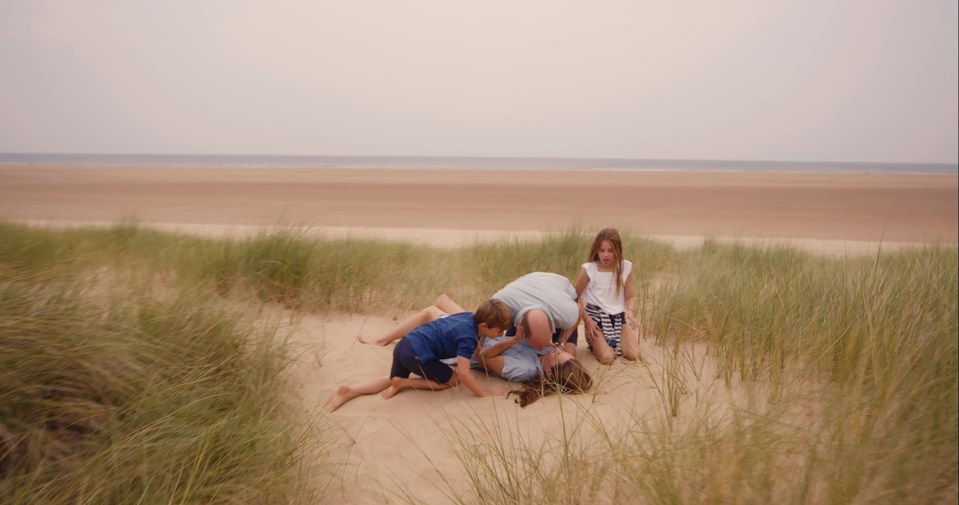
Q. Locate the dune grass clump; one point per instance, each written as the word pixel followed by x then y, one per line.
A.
pixel 127 399
pixel 841 375
pixel 290 267
pixel 309 273
pixel 557 471
pixel 880 331
pixel 842 386
pixel 852 317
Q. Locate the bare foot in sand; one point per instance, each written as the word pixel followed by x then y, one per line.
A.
pixel 397 384
pixel 342 395
pixel 347 392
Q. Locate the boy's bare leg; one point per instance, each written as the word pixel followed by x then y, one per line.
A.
pixel 400 384
pixel 405 326
pixel 347 392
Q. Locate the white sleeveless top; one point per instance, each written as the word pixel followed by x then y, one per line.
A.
pixel 601 288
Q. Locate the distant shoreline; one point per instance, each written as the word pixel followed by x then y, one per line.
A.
pixel 461 162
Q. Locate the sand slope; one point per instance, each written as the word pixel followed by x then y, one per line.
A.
pixel 413 441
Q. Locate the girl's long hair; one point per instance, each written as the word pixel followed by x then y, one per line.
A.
pixel 568 378
pixel 612 235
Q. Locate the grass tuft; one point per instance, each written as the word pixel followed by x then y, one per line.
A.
pixel 127 399
pixel 129 374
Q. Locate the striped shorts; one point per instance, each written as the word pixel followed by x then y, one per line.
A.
pixel 610 324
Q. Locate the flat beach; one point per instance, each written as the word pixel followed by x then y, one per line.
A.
pixel 825 211
pixel 382 447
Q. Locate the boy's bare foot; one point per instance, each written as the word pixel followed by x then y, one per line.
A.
pixel 397 384
pixel 342 395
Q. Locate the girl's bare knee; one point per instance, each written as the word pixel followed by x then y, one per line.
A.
pixel 604 356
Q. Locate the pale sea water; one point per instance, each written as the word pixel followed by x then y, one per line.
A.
pixel 440 162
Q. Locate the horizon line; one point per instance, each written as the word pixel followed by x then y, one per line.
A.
pixel 480 157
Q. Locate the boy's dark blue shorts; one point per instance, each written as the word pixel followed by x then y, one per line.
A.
pixel 406 362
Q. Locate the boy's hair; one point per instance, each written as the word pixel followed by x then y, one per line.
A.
pixel 569 378
pixel 613 237
pixel 494 313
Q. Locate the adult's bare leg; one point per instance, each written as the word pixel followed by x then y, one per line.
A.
pixel 405 326
pixel 446 304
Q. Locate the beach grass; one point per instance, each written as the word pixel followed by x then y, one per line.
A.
pixel 127 373
pixel 305 272
pixel 840 386
pixel 113 390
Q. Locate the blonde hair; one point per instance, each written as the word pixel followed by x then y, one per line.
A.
pixel 613 237
pixel 568 378
pixel 494 313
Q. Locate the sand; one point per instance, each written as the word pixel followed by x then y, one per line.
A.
pixel 453 207
pixel 382 447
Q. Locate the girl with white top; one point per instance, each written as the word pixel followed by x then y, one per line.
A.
pixel 607 300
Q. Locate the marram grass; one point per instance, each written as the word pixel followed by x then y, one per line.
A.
pixel 128 399
pixel 301 271
pixel 842 372
pixel 845 382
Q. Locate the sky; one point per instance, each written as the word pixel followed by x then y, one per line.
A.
pixel 792 80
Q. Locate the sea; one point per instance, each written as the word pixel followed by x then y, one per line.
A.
pixel 462 162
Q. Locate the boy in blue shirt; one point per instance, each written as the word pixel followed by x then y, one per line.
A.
pixel 420 351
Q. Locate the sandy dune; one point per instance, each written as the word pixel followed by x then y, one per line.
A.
pixel 410 442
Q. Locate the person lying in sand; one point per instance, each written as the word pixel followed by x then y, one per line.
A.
pixel 509 357
pixel 541 372
pixel 421 350
pixel 568 377
pixel 513 358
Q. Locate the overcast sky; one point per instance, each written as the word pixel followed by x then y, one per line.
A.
pixel 811 80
